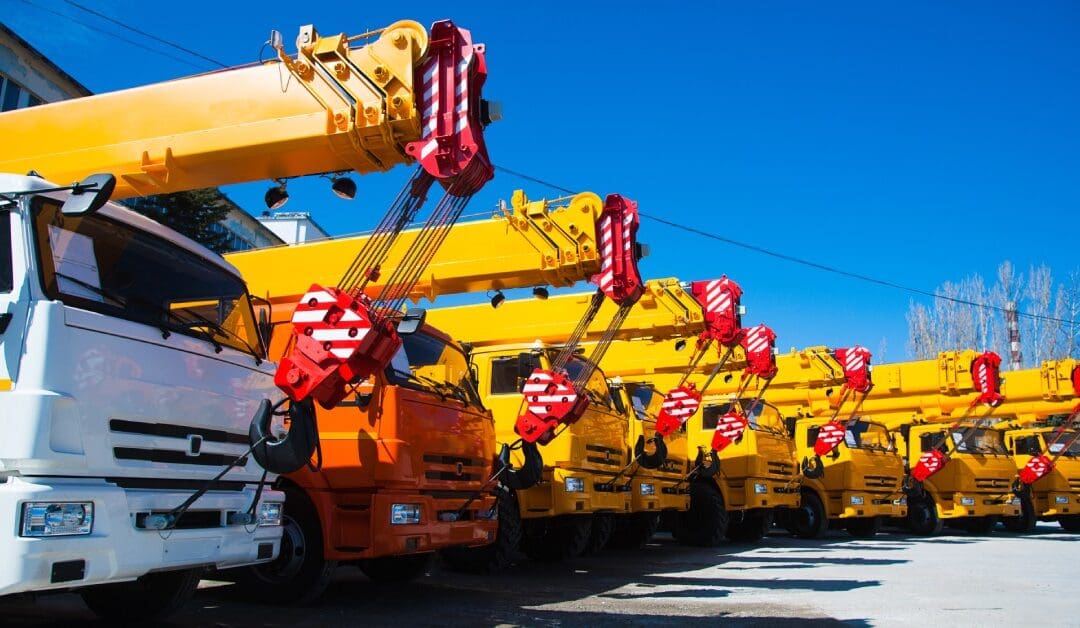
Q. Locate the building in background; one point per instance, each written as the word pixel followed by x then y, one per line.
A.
pixel 293 227
pixel 29 78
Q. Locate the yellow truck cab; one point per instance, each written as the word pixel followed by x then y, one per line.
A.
pixel 973 491
pixel 556 516
pixel 857 486
pixel 757 477
pixel 657 481
pixel 1056 495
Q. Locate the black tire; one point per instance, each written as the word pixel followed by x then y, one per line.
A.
pixel 751 529
pixel 152 596
pixel 863 527
pixel 300 573
pixel 1025 523
pixel 498 555
pixel 564 537
pixel 634 531
pixel 980 526
pixel 705 524
pixel 393 569
pixel 1069 523
pixel 809 520
pixel 603 525
pixel 922 517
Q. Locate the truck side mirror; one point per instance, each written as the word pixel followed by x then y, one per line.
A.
pixel 90 195
pixel 412 321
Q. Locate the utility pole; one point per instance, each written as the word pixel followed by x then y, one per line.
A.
pixel 1012 321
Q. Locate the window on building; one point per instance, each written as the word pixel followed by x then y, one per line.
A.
pixel 14 96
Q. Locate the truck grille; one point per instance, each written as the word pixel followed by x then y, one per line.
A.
pixel 987 484
pixel 781 468
pixel 187 453
pixel 607 455
pixel 881 481
pixel 450 468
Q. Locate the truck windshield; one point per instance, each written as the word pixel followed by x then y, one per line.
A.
pixel 427 362
pixel 977 440
pixel 760 416
pixel 596 387
pixel 865 435
pixel 103 265
pixel 1059 447
pixel 645 399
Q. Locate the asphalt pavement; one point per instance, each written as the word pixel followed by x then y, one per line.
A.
pixel 891 580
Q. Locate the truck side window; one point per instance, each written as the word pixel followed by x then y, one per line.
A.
pixel 7 274
pixel 811 435
pixel 927 441
pixel 1028 446
pixel 504 375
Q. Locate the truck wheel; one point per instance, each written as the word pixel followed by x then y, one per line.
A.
pixel 603 525
pixel 706 523
pixel 863 527
pixel 300 573
pixel 1026 521
pixel 810 520
pixel 387 569
pixel 1069 523
pixel 752 528
pixel 980 526
pixel 498 555
pixel 152 596
pixel 922 518
pixel 565 537
pixel 633 531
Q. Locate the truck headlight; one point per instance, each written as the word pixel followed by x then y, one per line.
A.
pixel 900 502
pixel 401 514
pixel 270 513
pixel 57 518
pixel 967 501
pixel 575 485
pixel 857 500
pixel 1061 499
pixel 1015 501
pixel 648 489
pixel 760 489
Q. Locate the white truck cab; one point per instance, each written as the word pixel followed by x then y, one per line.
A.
pixel 130 368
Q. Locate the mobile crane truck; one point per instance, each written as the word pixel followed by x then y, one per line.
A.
pixel 410 455
pixel 736 476
pixel 852 472
pixel 940 413
pixel 646 471
pixel 167 359
pixel 1047 456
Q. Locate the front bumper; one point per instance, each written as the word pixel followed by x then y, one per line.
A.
pixel 872 505
pixel 550 498
pixel 755 493
pixel 116 550
pixel 367 533
pixel 1056 504
pixel 957 505
pixel 666 495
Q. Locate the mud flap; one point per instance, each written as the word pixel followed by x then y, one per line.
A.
pixel 292 451
pixel 528 475
pixel 655 459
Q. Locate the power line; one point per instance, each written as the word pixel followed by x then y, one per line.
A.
pixel 113 35
pixel 145 34
pixel 805 262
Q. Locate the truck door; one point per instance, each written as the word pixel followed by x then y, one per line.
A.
pixel 14 294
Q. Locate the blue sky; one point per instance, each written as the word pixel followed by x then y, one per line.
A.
pixel 910 141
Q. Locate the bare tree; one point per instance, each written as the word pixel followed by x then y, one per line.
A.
pixel 922 343
pixel 1009 287
pixel 1040 331
pixel 1069 309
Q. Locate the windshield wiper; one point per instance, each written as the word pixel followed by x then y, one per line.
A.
pixel 216 328
pixel 119 300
